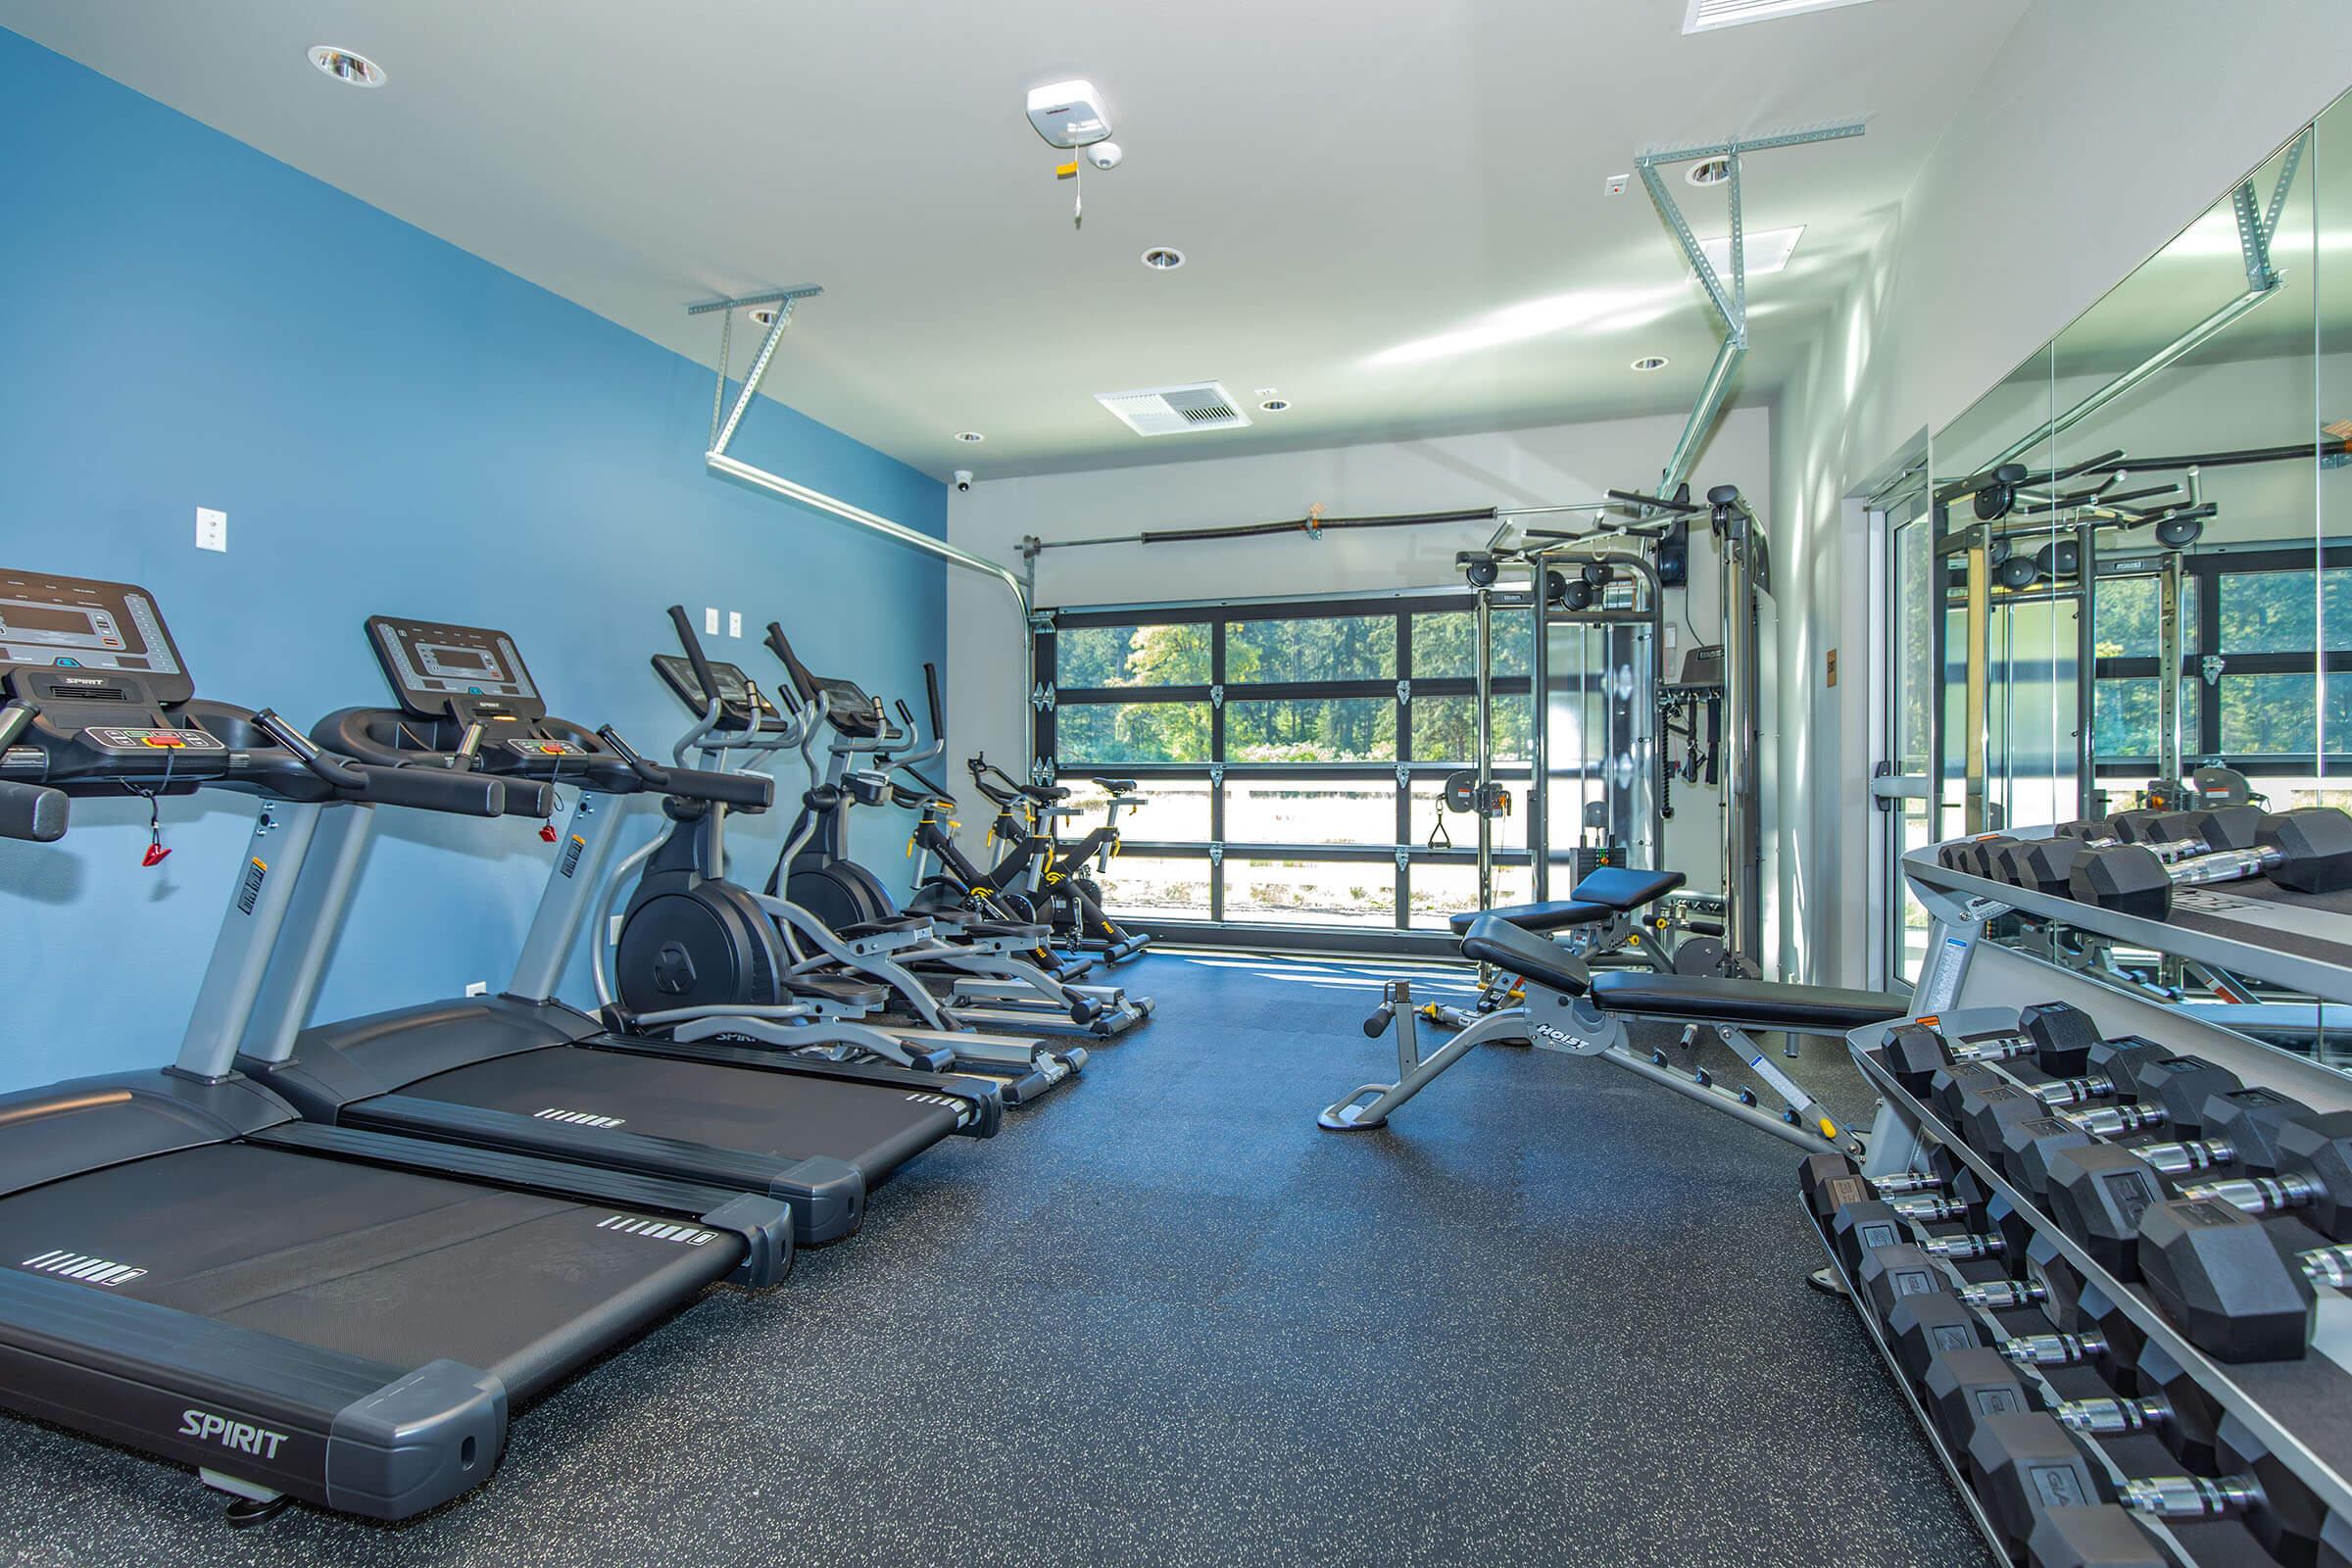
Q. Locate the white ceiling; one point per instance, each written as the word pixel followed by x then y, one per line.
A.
pixel 1344 180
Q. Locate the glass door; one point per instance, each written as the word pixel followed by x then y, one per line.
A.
pixel 1908 818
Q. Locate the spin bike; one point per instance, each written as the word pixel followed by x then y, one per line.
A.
pixel 1061 886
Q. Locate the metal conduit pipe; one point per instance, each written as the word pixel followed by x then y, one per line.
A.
pixel 717 462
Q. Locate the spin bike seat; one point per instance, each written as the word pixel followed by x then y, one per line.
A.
pixel 1621 888
pixel 1553 916
pixel 1045 793
pixel 1118 786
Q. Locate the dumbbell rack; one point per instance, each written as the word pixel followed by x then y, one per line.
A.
pixel 2300 1410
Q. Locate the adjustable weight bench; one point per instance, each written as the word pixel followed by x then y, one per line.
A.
pixel 1600 915
pixel 1561 1008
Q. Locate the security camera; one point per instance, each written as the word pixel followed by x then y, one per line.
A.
pixel 1104 155
pixel 963 478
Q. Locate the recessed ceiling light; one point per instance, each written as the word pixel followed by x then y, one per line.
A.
pixel 1163 258
pixel 1651 362
pixel 1768 250
pixel 344 66
pixel 1708 171
pixel 973 437
pixel 1275 405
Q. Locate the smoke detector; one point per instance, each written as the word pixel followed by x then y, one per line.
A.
pixel 1174 409
pixel 1070 114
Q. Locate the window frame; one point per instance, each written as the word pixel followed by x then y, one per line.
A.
pixel 1404 690
pixel 2208 570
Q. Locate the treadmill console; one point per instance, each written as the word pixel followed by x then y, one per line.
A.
pixel 737 696
pixel 69 639
pixel 463 672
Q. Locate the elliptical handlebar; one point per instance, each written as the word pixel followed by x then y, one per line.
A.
pixel 756 791
pixel 693 651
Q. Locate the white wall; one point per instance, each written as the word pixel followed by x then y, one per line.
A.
pixel 2100 129
pixel 1545 466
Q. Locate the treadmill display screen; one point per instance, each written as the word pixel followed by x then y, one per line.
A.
pixel 84 623
pixel 439 668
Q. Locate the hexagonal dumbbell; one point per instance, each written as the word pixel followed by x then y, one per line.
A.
pixel 2047 866
pixel 2097 1192
pixel 2027 1144
pixel 2240 1128
pixel 2103 1536
pixel 2159 1090
pixel 1887 1274
pixel 2055 1036
pixel 2237 1287
pixel 1921 1326
pixel 1830 1179
pixel 2171 1404
pixel 2305 851
pixel 2312 1174
pixel 1963 1386
pixel 2028 1469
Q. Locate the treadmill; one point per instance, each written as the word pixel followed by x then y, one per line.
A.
pixel 522 1072
pixel 188 1268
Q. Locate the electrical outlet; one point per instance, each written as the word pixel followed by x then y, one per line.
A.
pixel 477 988
pixel 734 622
pixel 711 621
pixel 211 529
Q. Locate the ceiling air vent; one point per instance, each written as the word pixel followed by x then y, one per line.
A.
pixel 1172 409
pixel 1706 16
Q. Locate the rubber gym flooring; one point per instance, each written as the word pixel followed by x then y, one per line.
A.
pixel 1555 1314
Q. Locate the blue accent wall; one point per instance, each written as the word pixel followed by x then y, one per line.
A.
pixel 393 427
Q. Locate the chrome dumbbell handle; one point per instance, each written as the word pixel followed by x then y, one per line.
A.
pixel 2114 1121
pixel 1999 1296
pixel 2189 1496
pixel 2053 1349
pixel 2259 1194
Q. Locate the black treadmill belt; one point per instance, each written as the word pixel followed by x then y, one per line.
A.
pixel 393 1266
pixel 793 1116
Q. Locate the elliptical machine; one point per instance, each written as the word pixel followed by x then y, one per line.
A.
pixel 984 955
pixel 699 957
